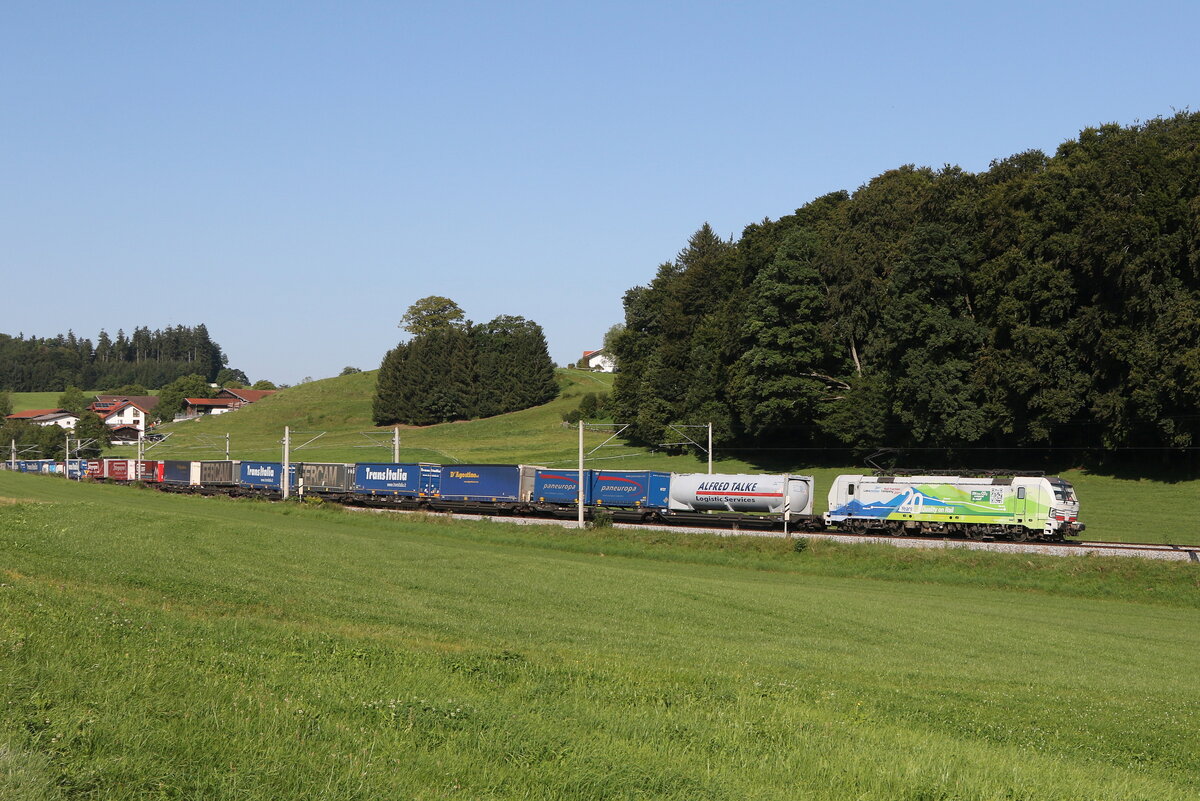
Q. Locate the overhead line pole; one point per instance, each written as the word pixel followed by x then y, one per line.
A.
pixel 283 480
pixel 580 476
pixel 678 429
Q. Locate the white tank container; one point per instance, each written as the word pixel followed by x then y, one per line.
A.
pixel 701 492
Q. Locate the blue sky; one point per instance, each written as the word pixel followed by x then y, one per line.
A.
pixel 294 175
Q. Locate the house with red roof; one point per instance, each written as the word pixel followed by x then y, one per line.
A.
pixel 245 395
pixel 195 407
pixel 118 411
pixel 145 402
pixel 598 360
pixel 48 417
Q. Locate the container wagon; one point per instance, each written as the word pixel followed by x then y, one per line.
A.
pixel 326 478
pixel 386 483
pixel 503 487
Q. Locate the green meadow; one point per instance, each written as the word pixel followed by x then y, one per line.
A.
pixel 24 401
pixel 163 646
pixel 331 421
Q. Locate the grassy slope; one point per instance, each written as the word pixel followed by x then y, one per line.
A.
pixel 1114 509
pixel 164 646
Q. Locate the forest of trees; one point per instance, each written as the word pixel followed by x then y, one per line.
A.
pixel 1047 304
pixel 150 358
pixel 455 370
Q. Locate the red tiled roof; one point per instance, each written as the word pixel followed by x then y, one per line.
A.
pixel 248 395
pixel 144 402
pixel 31 413
pixel 110 411
pixel 210 401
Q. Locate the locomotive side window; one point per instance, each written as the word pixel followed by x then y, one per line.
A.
pixel 1020 492
pixel 850 491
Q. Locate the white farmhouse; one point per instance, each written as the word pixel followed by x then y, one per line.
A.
pixel 48 417
pixel 598 360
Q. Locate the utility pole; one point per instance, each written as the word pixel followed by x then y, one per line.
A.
pixel 580 424
pixel 227 446
pixel 395 444
pixel 141 451
pixel 710 449
pixel 283 480
pixel 67 457
pixel 12 462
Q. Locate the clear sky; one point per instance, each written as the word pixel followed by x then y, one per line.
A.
pixel 295 174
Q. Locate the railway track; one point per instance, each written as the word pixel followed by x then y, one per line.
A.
pixel 1178 553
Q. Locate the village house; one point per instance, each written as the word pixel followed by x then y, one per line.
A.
pixel 598 360
pixel 118 411
pixel 196 407
pixel 48 417
pixel 227 400
pixel 245 395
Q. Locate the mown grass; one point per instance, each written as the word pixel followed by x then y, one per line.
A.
pixel 157 646
pixel 339 410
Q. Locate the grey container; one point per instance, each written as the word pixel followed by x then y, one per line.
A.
pixel 327 476
pixel 217 474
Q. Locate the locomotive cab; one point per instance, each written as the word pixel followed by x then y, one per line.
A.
pixel 1063 516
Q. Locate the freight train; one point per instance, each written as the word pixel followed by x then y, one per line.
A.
pixel 1014 507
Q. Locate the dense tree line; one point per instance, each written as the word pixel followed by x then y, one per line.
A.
pixel 151 358
pixel 455 370
pixel 1049 302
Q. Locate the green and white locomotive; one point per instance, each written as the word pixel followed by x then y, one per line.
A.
pixel 1014 507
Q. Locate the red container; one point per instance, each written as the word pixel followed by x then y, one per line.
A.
pixel 116 469
pixel 95 468
pixel 150 471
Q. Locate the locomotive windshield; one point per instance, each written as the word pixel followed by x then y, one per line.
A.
pixel 1064 492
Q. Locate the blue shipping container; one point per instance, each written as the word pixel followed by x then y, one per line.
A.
pixel 557 486
pixel 264 475
pixel 176 471
pixel 481 482
pixel 410 480
pixel 640 488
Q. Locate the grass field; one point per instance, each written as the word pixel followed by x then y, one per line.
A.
pixel 339 410
pixel 24 401
pixel 158 646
